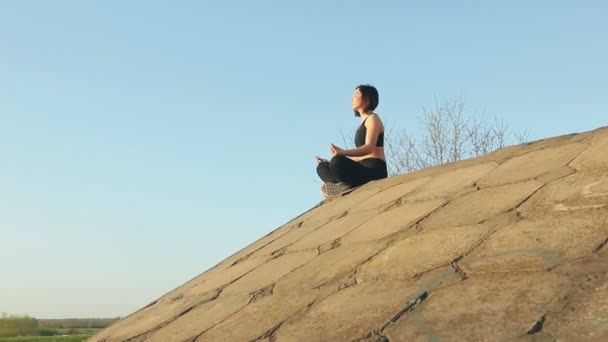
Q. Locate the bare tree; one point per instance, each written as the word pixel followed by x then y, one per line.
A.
pixel 402 152
pixel 445 127
pixel 446 135
pixel 484 136
pixel 522 137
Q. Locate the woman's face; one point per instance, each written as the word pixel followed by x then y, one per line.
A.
pixel 357 101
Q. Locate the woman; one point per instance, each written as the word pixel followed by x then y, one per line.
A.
pixel 351 168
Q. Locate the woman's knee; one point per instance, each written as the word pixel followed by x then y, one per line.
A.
pixel 323 168
pixel 338 161
pixel 341 167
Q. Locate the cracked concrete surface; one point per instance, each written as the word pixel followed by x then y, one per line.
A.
pixel 510 246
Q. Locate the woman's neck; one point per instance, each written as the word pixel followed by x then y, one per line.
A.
pixel 365 115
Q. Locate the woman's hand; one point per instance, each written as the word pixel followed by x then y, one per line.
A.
pixel 320 160
pixel 335 150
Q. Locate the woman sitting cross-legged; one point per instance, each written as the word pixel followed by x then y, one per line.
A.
pixel 352 168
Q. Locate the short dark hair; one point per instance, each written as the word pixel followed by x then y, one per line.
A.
pixel 370 96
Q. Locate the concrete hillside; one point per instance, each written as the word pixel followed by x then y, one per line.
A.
pixel 508 246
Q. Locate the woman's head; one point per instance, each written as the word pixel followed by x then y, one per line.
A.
pixel 365 99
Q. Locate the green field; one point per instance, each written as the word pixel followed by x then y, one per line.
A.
pixel 27 329
pixel 71 338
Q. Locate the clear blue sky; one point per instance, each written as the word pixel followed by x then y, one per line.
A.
pixel 142 142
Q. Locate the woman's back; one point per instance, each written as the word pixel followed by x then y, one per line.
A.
pixel 361 133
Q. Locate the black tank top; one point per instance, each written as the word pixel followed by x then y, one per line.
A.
pixel 360 135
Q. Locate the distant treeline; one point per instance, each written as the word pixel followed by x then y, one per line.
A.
pixel 27 326
pixel 17 326
pixel 73 323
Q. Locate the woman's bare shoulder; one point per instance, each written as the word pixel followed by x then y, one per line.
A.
pixel 375 118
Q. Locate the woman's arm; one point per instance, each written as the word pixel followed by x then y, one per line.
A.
pixel 371 137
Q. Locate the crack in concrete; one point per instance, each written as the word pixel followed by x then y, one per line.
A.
pixel 600 246
pixel 396 204
pixel 576 157
pixel 409 307
pixel 559 306
pixel 239 260
pixel 419 275
pixel 334 244
pixel 279 252
pixel 538 326
pixel 298 225
pixel 550 258
pixel 422 324
pixel 320 227
pixel 455 264
pixel 144 335
pixel 463 275
pixel 418 224
pixel 351 280
pixel 270 334
pixel 176 298
pixel 565 136
pixel 337 217
pixel 530 196
pixel 282 251
pixel 566 262
pixel 537 178
pixel 248 255
pixel 356 268
pixel 345 279
pixel 294 226
pixel 432 285
pixel 568 164
pixel 237 311
pixel 497 217
pixel 261 293
pixel 195 338
pixel 309 305
pixel 373 336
